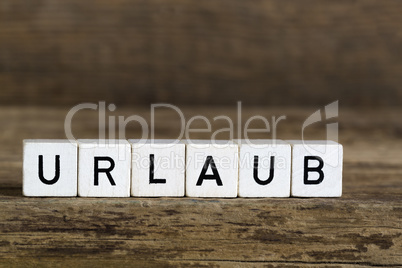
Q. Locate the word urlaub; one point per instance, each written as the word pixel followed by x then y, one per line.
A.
pixel 172 168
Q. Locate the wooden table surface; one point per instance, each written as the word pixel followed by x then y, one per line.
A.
pixel 362 228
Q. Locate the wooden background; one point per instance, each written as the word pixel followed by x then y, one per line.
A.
pixel 360 229
pixel 201 52
pixel 278 57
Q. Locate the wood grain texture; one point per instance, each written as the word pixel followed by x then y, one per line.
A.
pixel 362 228
pixel 201 52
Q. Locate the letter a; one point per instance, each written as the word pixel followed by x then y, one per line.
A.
pixel 214 176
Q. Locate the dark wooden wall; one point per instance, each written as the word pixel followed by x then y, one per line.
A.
pixel 201 52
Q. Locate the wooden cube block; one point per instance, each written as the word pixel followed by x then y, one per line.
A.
pixel 50 168
pixel 104 168
pixel 316 168
pixel 158 168
pixel 211 169
pixel 264 168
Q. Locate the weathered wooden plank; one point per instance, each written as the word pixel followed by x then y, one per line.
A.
pixel 49 262
pixel 202 52
pixel 252 230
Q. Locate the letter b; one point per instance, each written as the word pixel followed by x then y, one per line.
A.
pixel 317 169
pixel 314 175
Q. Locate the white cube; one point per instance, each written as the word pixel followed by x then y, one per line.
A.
pixel 158 168
pixel 211 168
pixel 316 168
pixel 264 168
pixel 104 168
pixel 50 168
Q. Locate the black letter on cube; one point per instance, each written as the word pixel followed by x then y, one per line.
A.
pixel 106 170
pixel 56 177
pixel 214 176
pixel 151 171
pixel 271 171
pixel 318 169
